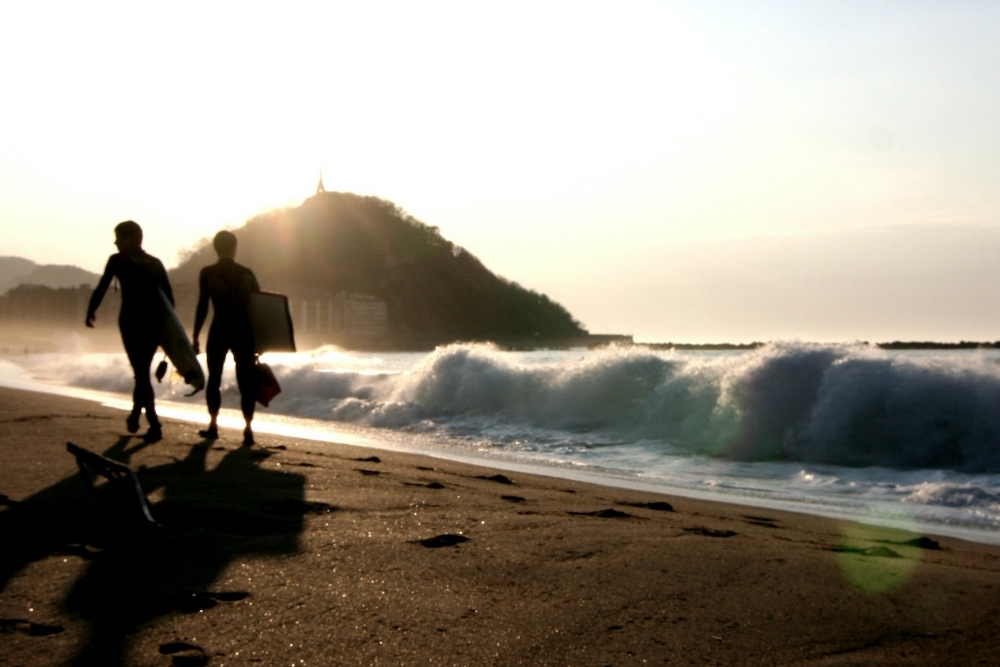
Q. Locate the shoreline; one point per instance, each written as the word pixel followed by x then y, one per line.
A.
pixel 317 431
pixel 284 554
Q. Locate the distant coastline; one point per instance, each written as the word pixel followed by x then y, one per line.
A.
pixel 895 345
pixel 20 337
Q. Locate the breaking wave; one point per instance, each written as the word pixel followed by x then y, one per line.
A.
pixel 851 405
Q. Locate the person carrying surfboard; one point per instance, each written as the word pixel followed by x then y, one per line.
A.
pixel 228 286
pixel 141 277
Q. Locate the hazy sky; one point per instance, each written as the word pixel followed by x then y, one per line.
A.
pixel 686 171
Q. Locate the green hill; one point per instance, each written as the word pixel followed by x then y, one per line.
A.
pixel 434 291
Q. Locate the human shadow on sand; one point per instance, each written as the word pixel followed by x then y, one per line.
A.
pixel 137 571
pixel 58 520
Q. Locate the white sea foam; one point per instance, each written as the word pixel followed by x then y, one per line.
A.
pixel 811 424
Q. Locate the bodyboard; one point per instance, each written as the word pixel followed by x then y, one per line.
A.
pixel 178 347
pixel 271 322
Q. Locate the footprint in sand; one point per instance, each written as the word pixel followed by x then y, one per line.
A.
pixel 605 514
pixel 317 507
pixel 184 654
pixel 920 543
pixel 708 532
pixel 192 603
pixel 659 506
pixel 499 479
pixel 445 540
pixel 28 628
pixel 877 552
pixel 429 485
pixel 764 521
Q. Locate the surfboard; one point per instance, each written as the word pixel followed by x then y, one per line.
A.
pixel 178 347
pixel 271 321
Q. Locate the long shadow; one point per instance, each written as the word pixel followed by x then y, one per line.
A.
pixel 137 573
pixel 212 516
pixel 57 520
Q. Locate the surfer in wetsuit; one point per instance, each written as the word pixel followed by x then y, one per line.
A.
pixel 140 320
pixel 228 286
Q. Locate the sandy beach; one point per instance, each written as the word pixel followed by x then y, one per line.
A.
pixel 299 553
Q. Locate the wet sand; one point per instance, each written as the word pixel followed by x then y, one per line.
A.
pixel 299 553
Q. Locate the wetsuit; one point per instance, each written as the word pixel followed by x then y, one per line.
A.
pixel 140 320
pixel 228 286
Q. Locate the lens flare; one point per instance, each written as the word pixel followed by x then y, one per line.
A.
pixel 879 559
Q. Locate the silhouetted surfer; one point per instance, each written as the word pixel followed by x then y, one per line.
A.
pixel 228 285
pixel 140 320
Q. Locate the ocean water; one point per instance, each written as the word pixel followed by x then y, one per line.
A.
pixel 907 439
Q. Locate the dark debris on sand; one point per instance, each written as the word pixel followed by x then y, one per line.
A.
pixel 606 514
pixel 8 625
pixel 499 479
pixel 659 506
pixel 445 540
pixel 708 532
